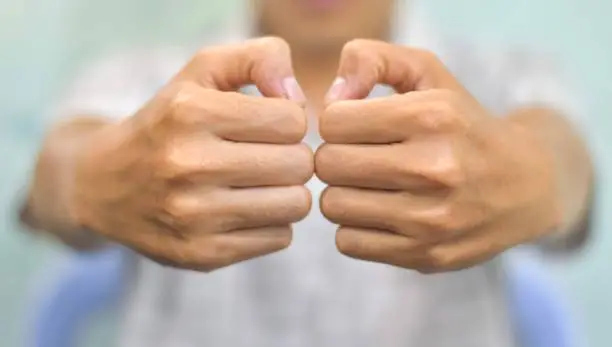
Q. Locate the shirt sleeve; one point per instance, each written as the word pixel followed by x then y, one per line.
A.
pixel 116 86
pixel 536 80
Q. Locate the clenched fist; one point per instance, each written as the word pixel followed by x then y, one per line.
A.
pixel 202 176
pixel 426 179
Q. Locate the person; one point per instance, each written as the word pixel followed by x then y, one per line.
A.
pixel 433 159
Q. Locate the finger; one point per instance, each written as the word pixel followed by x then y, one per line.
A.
pixel 253 119
pixel 460 253
pixel 365 63
pixel 235 209
pixel 481 243
pixel 236 164
pixel 209 252
pixel 453 257
pixel 265 62
pixel 419 165
pixel 386 120
pixel 262 207
pixel 376 246
pixel 270 165
pixel 408 253
pixel 243 118
pixel 192 109
pixel 381 210
pixel 251 243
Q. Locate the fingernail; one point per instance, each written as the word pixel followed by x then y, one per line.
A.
pixel 292 89
pixel 336 90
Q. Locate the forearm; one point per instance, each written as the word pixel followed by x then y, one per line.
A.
pixel 574 170
pixel 47 207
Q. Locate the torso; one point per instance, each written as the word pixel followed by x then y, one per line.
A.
pixel 311 295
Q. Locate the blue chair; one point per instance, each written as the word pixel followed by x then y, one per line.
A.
pixel 539 311
pixel 90 284
pixel 95 282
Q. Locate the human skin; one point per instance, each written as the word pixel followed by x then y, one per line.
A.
pixel 461 182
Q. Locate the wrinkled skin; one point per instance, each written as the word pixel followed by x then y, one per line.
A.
pixel 426 179
pixel 203 177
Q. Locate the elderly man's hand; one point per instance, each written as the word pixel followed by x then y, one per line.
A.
pixel 426 179
pixel 203 177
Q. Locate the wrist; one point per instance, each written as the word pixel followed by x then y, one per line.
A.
pixel 572 171
pixel 540 164
pixel 51 199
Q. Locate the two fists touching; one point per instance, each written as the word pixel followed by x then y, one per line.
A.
pixel 203 177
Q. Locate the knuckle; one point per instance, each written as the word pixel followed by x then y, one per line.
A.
pixel 358 46
pixel 403 168
pixel 438 115
pixel 444 222
pixel 204 55
pixel 208 255
pixel 329 203
pixel 306 165
pixel 361 53
pixel 322 156
pixel 402 221
pixel 167 259
pixel 427 57
pixel 447 95
pixel 427 175
pixel 270 44
pixel 283 241
pixel 448 111
pixel 180 160
pixel 302 203
pixel 183 103
pixel 443 168
pixel 204 264
pixel 199 255
pixel 207 268
pixel 433 262
pixel 444 109
pixel 324 161
pixel 450 175
pixel 427 269
pixel 168 253
pixel 450 225
pixel 297 123
pixel 183 90
pixel 172 161
pixel 285 118
pixel 346 244
pixel 328 121
pixel 179 208
pixel 433 119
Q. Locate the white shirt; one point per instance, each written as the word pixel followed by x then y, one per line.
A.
pixel 310 295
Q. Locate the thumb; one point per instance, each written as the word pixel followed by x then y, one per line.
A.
pixel 264 62
pixel 366 63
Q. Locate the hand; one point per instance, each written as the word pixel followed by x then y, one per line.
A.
pixel 203 177
pixel 426 179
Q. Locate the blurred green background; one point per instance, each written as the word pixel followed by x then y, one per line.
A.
pixel 43 42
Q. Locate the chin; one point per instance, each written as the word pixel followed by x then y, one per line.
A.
pixel 322 42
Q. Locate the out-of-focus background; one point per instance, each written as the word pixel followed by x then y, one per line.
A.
pixel 42 43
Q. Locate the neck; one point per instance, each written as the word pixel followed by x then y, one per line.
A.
pixel 315 72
